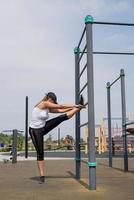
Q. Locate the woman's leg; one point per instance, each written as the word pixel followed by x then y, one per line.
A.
pixel 37 139
pixel 41 165
pixel 52 123
pixel 72 112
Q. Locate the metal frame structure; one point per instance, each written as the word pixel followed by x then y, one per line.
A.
pixel 14 147
pixel 88 50
pixel 14 143
pixel 90 90
pixel 26 127
pixel 123 109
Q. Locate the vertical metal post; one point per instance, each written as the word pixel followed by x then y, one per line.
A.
pixel 14 147
pixel 109 123
pixel 58 136
pixel 26 128
pixel 123 105
pixel 90 90
pixel 77 116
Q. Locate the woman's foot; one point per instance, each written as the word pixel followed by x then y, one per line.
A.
pixel 81 102
pixel 42 179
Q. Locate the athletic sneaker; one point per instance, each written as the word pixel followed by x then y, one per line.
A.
pixel 81 102
pixel 42 179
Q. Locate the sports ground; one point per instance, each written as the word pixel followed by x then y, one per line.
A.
pixel 20 181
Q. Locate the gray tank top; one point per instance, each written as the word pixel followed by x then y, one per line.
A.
pixel 39 117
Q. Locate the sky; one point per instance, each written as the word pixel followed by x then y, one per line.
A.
pixel 37 39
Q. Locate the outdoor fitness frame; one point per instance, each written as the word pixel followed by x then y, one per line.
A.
pixel 88 50
pixel 26 127
pixel 123 109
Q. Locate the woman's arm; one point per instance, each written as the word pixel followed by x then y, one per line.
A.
pixel 60 110
pixel 50 105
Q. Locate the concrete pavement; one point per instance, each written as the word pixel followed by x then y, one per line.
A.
pixel 20 181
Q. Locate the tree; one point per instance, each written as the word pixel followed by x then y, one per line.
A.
pixel 49 139
pixel 69 139
pixel 20 141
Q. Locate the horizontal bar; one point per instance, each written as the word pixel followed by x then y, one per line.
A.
pixel 114 82
pixel 113 53
pixel 113 118
pixel 83 143
pixel 82 53
pixel 114 23
pixel 128 134
pixel 86 104
pixel 82 37
pixel 83 124
pixel 97 125
pixel 82 70
pixel 7 131
pixel 83 88
pixel 128 123
pixel 12 131
pixel 84 161
pixel 19 131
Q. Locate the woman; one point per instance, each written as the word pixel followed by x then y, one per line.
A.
pixel 40 125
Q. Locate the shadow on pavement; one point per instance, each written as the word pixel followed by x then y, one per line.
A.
pixel 36 178
pixel 79 181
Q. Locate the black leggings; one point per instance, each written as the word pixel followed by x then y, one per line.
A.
pixel 37 134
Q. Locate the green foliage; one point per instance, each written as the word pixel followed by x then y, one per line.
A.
pixel 20 141
pixel 8 139
pixel 62 141
pixel 49 139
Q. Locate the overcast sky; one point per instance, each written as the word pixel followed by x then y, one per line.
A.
pixel 37 38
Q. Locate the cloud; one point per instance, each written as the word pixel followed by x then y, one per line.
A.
pixel 99 8
pixel 36 47
pixel 121 6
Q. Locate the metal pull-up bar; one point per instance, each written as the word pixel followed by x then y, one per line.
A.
pixel 113 53
pixel 123 108
pixel 110 84
pixel 88 49
pixel 90 95
pixel 82 71
pixel 114 23
pixel 128 123
pixel 83 33
pixel 109 53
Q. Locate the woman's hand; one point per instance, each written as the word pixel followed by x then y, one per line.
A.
pixel 79 106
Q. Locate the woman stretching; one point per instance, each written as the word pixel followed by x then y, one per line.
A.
pixel 40 125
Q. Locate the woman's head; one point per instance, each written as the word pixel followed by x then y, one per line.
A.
pixel 51 96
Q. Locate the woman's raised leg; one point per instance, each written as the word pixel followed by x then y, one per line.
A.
pixel 72 112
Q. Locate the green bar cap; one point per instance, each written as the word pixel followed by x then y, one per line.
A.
pixel 76 50
pixel 77 159
pixel 122 72
pixel 92 164
pixel 89 19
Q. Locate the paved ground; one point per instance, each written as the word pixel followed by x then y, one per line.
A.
pixel 61 154
pixel 20 181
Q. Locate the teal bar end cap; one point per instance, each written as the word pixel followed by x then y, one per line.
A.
pixel 89 19
pixel 77 159
pixel 76 50
pixel 122 72
pixel 92 164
